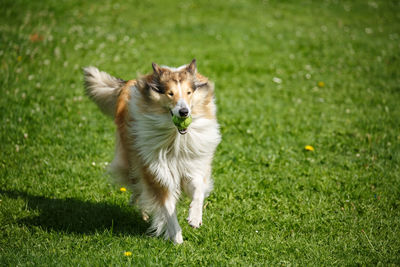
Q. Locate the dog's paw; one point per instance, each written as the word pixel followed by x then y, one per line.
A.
pixel 195 215
pixel 194 222
pixel 194 219
pixel 177 239
pixel 145 216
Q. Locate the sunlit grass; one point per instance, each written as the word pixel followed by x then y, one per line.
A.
pixel 289 77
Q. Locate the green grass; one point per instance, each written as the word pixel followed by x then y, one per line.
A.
pixel 273 203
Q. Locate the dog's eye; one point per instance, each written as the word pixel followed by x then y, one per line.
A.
pixel 171 94
pixel 189 93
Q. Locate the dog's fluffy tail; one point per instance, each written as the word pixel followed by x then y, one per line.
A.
pixel 103 89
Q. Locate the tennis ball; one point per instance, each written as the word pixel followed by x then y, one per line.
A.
pixel 182 123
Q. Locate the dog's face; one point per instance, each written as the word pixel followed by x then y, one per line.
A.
pixel 174 88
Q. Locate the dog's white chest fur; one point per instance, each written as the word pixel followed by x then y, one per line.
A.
pixel 168 154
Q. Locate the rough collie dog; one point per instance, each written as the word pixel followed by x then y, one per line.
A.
pixel 154 159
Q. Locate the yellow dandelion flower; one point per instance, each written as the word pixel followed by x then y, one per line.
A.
pixel 309 148
pixel 19 58
pixel 122 189
pixel 321 84
pixel 128 253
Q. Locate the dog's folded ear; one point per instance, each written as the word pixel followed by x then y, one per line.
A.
pixel 202 82
pixel 155 87
pixel 192 68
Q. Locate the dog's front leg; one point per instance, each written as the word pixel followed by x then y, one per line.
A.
pixel 174 230
pixel 196 211
pixel 197 189
pixel 160 201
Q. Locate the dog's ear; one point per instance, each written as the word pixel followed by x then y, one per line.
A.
pixel 153 85
pixel 192 68
pixel 153 81
pixel 202 82
pixel 157 69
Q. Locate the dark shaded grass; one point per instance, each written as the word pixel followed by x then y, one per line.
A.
pixel 77 216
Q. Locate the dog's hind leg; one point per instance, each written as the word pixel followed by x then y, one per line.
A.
pixel 119 167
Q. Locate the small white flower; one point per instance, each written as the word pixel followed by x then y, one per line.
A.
pixel 368 31
pixel 111 38
pixel 57 52
pixel 78 46
pixel 373 4
pixel 277 80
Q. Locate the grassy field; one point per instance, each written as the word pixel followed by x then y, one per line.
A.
pixel 288 74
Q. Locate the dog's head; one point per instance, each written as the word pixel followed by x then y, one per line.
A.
pixel 177 89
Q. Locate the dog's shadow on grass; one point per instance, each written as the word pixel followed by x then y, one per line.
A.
pixel 77 216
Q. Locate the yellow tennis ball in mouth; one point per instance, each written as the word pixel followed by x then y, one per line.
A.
pixel 182 123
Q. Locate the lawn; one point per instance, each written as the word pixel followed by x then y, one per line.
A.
pixel 288 74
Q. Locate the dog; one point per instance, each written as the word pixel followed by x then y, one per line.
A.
pixel 153 158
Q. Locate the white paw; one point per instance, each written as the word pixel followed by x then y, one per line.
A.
pixel 177 239
pixel 194 222
pixel 195 217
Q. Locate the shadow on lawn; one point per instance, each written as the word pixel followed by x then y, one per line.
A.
pixel 78 216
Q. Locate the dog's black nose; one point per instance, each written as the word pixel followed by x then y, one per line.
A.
pixel 183 112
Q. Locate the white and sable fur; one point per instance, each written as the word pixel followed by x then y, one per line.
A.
pixel 152 158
